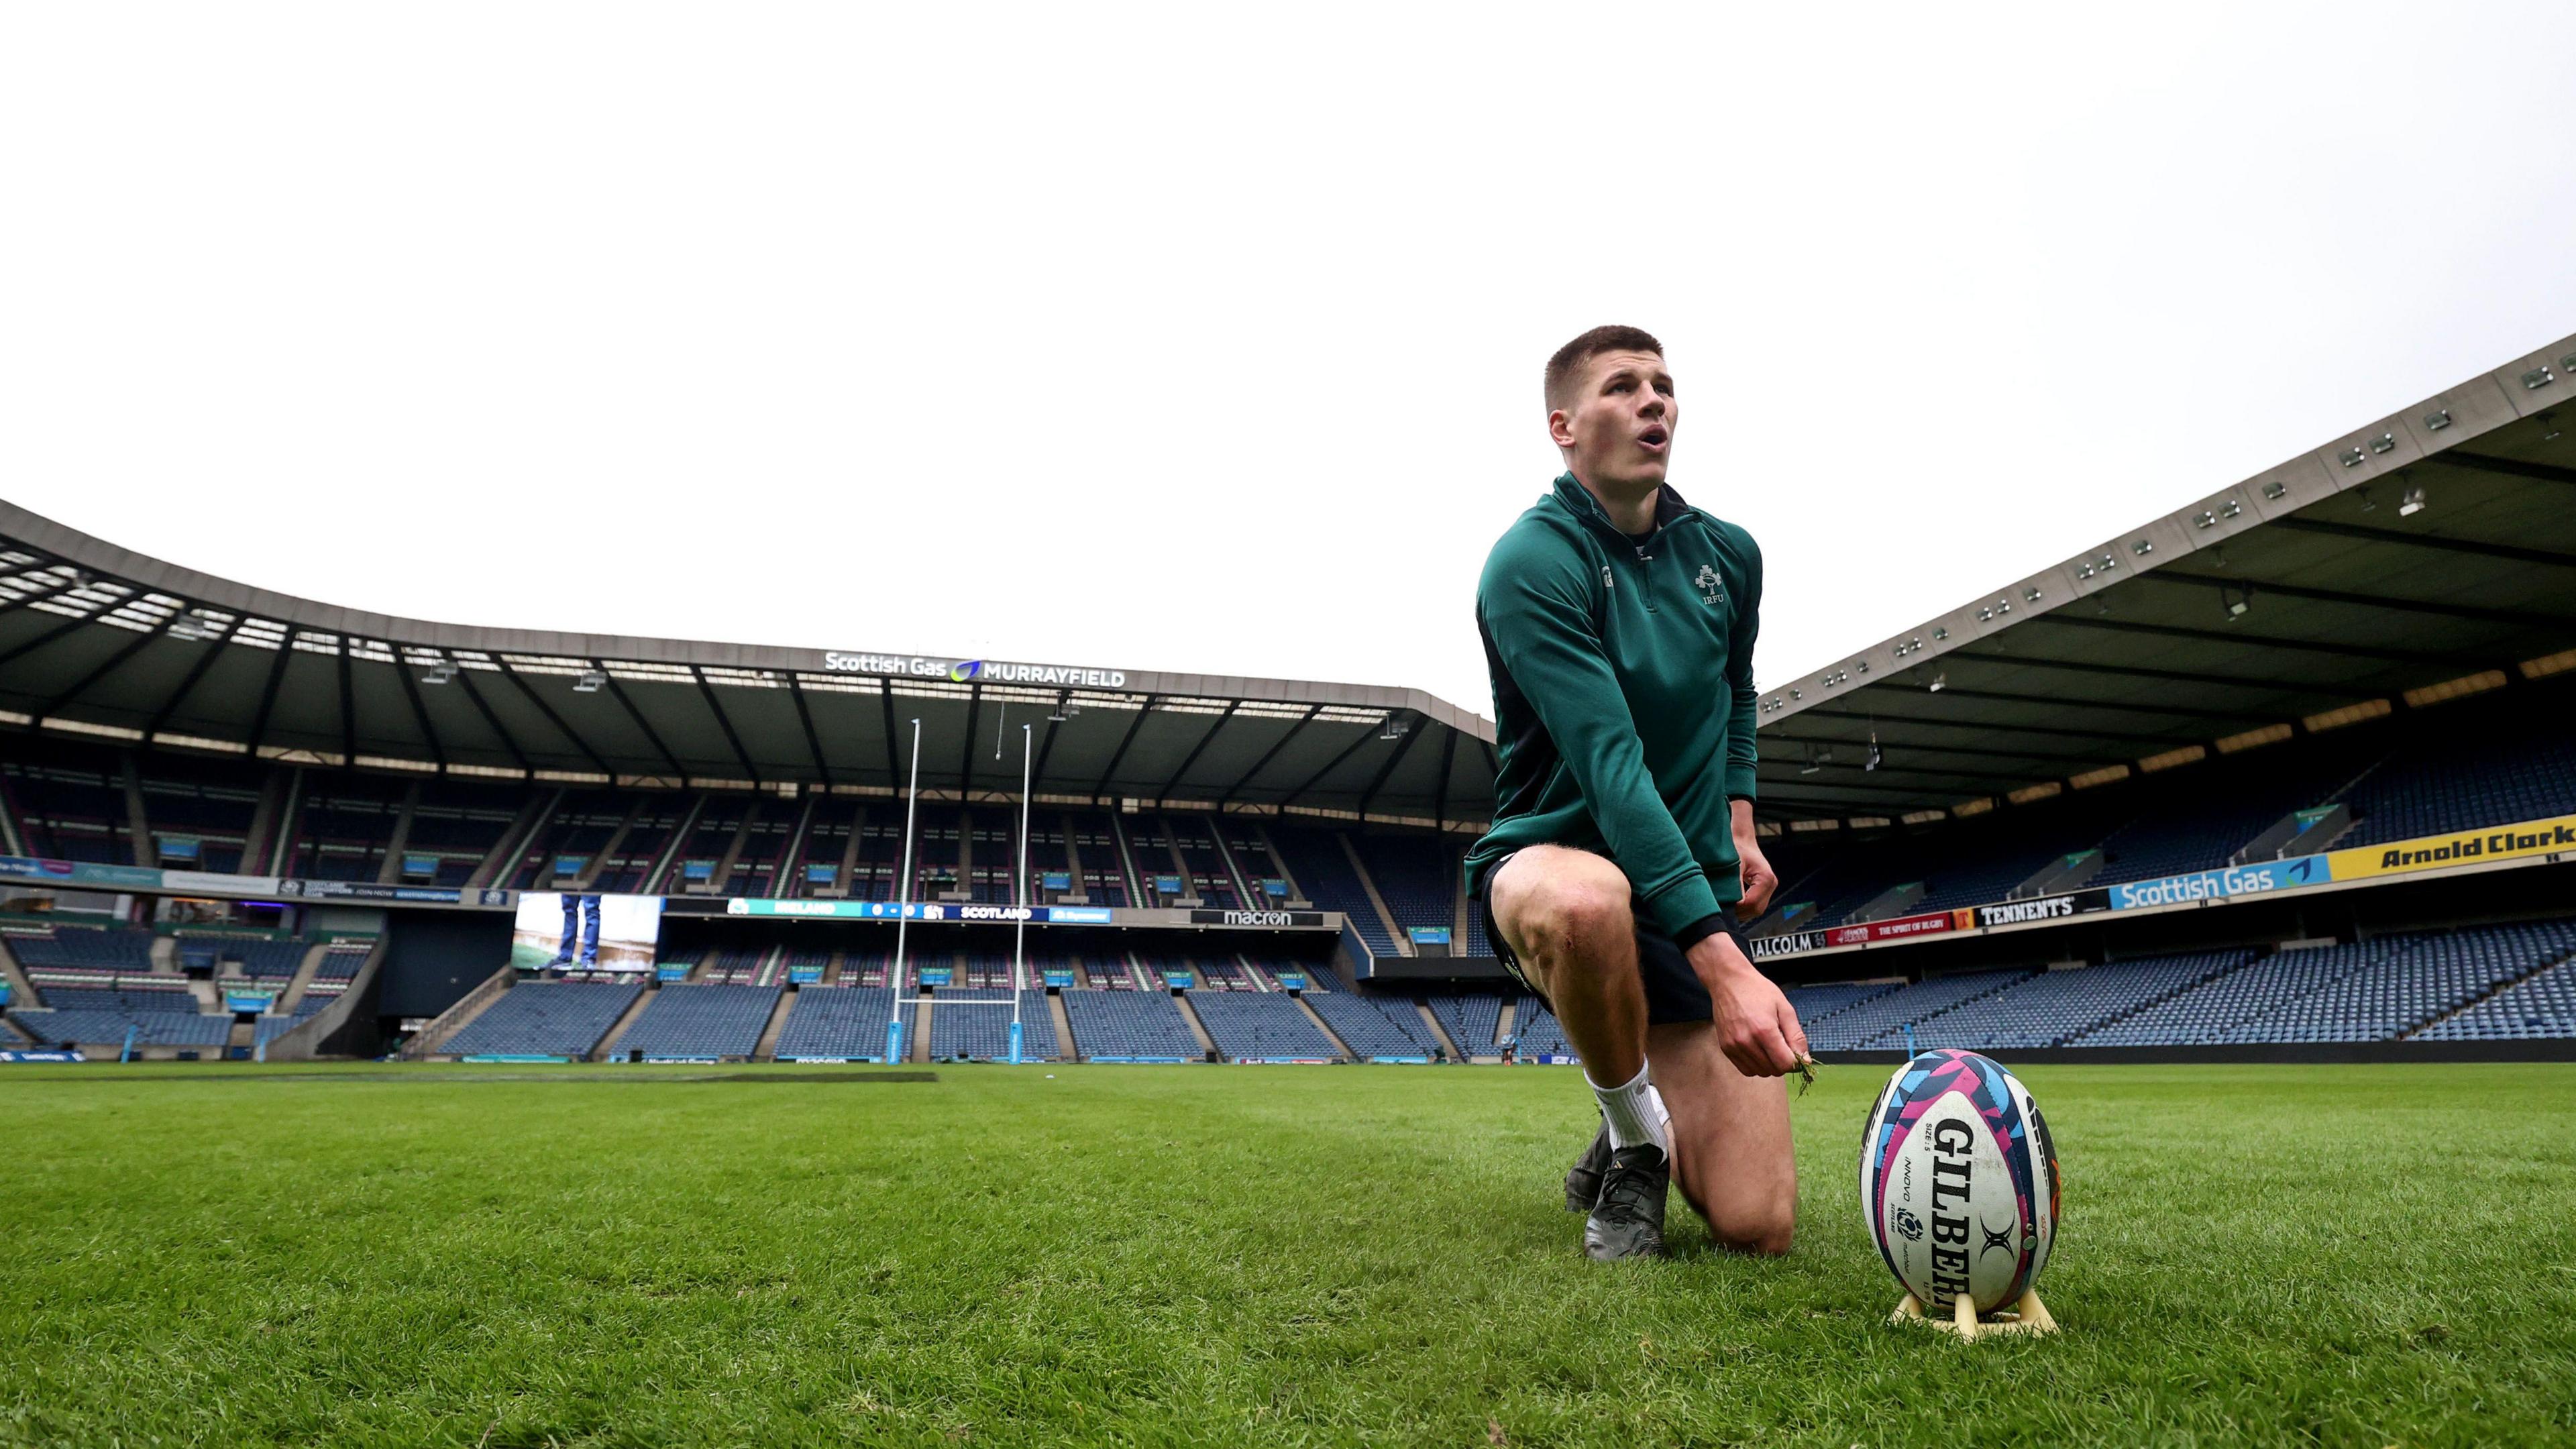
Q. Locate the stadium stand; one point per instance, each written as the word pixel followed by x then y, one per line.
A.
pixel 2505 768
pixel 978 1029
pixel 2208 1012
pixel 2057 1006
pixel 1260 1026
pixel 2409 981
pixel 1321 867
pixel 1473 1022
pixel 545 1019
pixel 108 1027
pixel 1416 876
pixel 1536 1032
pixel 701 1021
pixel 1881 1020
pixel 2540 1006
pixel 1129 1026
pixel 1375 1030
pixel 836 1023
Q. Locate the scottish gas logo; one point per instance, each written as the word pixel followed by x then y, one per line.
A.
pixel 965 670
pixel 2217 885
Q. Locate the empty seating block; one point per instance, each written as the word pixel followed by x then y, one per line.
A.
pixel 1129 1026
pixel 701 1021
pixel 1471 1021
pixel 2057 1006
pixel 1881 1020
pixel 2412 980
pixel 275 960
pixel 837 1023
pixel 2542 1007
pixel 2208 1012
pixel 96 950
pixel 1260 1026
pixel 92 1027
pixel 1374 1030
pixel 975 1026
pixel 545 1019
pixel 1316 857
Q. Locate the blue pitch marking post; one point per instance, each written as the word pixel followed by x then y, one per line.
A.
pixel 1015 1043
pixel 1909 1041
pixel 894 1036
pixel 125 1053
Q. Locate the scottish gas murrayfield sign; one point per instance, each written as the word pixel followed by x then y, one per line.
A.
pixel 974 671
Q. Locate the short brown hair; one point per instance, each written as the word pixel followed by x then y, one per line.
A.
pixel 1570 358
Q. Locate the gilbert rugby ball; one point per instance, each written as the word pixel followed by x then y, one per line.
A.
pixel 1958 1182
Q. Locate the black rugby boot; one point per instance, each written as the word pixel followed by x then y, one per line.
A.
pixel 1628 1221
pixel 1583 1179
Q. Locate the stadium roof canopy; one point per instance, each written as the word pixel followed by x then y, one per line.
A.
pixel 2429 554
pixel 97 640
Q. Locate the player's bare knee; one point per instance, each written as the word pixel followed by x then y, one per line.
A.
pixel 1575 919
pixel 1765 1233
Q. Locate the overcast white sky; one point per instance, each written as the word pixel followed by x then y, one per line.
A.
pixel 1209 338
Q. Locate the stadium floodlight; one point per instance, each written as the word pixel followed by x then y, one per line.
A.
pixel 590 682
pixel 189 626
pixel 2411 502
pixel 439 673
pixel 2437 420
pixel 2234 600
pixel 1939 683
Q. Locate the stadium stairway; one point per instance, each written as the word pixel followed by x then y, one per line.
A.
pixel 1198 1028
pixel 1341 1048
pixel 606 1051
pixel 1439 1031
pixel 1063 1023
pixel 767 1051
pixel 293 995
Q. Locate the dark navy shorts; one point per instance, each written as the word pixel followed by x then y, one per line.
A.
pixel 1673 990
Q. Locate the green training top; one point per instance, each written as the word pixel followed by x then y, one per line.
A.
pixel 1623 697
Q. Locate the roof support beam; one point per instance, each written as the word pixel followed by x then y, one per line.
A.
pixel 1896 767
pixel 482 706
pixel 1047 745
pixel 1910 747
pixel 2426 540
pixel 97 673
pixel 268 692
pixel 805 716
pixel 2340 648
pixel 1330 765
pixel 1269 754
pixel 2169 676
pixel 2519 617
pixel 348 711
pixel 2506 467
pixel 41 640
pixel 894 757
pixel 1440 802
pixel 2178 711
pixel 2166 741
pixel 966 756
pixel 558 721
pixel 1192 757
pixel 33 595
pixel 419 711
pixel 707 692
pixel 678 770
pixel 1412 737
pixel 1793 782
pixel 206 657
pixel 1142 710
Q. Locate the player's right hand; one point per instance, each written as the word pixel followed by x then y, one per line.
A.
pixel 1757 1028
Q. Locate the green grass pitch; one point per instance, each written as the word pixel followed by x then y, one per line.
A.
pixel 483 1256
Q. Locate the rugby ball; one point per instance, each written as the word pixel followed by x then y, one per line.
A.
pixel 1958 1182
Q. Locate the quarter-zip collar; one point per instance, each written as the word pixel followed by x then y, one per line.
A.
pixel 1578 500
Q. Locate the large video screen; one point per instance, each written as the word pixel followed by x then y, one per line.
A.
pixel 569 931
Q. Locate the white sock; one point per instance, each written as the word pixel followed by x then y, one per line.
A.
pixel 1635 1113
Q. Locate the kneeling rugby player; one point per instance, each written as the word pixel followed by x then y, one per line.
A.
pixel 1618 625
